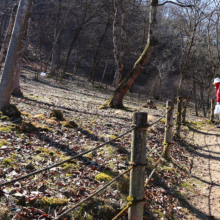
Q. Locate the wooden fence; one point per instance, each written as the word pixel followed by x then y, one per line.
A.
pixel 138 158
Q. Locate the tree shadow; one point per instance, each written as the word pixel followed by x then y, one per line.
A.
pixel 201 132
pixel 157 180
pixel 74 110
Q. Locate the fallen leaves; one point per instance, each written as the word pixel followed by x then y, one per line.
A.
pixel 51 142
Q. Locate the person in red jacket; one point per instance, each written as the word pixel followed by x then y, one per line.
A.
pixel 216 83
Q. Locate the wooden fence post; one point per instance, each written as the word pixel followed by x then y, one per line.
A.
pixel 186 101
pixel 84 80
pixel 168 130
pixel 212 110
pixel 178 118
pixel 184 110
pixel 137 174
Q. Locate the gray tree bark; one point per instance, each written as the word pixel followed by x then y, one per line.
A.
pixel 16 91
pixel 6 85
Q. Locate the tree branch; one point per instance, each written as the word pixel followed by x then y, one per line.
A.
pixel 174 3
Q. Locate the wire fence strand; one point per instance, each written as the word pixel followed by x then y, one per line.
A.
pixel 95 193
pixel 155 166
pixel 67 160
pixel 159 118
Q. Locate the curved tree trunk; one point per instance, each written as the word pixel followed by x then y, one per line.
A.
pixel 116 101
pixel 13 52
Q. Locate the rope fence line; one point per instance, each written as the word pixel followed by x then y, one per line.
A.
pixel 108 184
pixel 141 127
pixel 74 157
pixel 67 160
pixel 95 193
pixel 160 118
pixel 155 166
pixel 123 210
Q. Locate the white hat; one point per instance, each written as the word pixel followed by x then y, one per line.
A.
pixel 216 80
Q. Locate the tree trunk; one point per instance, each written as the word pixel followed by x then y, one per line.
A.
pixel 121 66
pixel 202 100
pixel 77 64
pixel 16 91
pixel 91 74
pixel 116 101
pixel 40 55
pixel 114 39
pixel 195 97
pixel 103 75
pixel 13 52
pixel 70 50
pixel 8 34
pixel 208 96
pixel 1 26
pixel 27 38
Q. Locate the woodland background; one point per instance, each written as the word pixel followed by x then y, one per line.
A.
pixel 95 39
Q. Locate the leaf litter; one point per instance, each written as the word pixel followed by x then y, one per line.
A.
pixel 50 193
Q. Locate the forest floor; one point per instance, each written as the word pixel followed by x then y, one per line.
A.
pixel 185 187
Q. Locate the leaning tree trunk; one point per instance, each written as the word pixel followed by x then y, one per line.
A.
pixel 98 51
pixel 70 50
pixel 8 34
pixel 116 101
pixel 12 54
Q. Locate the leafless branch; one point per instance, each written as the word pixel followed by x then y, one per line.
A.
pixel 175 3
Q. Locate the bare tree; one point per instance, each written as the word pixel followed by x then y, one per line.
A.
pixel 8 34
pixel 116 100
pixel 6 85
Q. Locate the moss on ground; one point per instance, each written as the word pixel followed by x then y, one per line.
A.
pixel 103 177
pixel 6 128
pixel 34 126
pixel 4 118
pixel 3 143
pixel 162 120
pixel 50 202
pixel 57 114
pixel 104 210
pixel 45 152
pixel 9 162
pixel 69 124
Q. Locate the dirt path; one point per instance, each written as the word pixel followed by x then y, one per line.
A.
pixel 205 173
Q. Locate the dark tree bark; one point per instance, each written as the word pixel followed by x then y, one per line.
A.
pixel 92 71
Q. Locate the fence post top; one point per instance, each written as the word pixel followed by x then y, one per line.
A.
pixel 140 118
pixel 169 103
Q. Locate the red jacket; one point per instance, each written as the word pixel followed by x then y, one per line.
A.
pixel 217 89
